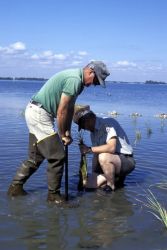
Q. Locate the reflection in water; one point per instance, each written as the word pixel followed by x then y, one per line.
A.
pixel 105 221
pixel 98 221
pixel 39 225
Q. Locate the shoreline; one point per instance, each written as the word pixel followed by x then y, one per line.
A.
pixel 150 82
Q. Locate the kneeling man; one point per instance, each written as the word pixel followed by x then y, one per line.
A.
pixel 113 155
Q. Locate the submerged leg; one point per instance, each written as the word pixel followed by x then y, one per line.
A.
pixel 53 150
pixel 27 168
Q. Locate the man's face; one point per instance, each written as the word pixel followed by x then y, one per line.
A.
pixel 95 80
pixel 90 78
pixel 88 124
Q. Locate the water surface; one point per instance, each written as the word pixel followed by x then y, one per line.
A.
pixel 116 221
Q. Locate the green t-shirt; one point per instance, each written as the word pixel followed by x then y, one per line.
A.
pixel 69 82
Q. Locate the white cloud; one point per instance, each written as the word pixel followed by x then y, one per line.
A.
pixel 126 63
pixel 75 63
pixel 82 53
pixel 34 57
pixel 47 54
pixel 19 46
pixel 45 62
pixel 13 49
pixel 49 57
pixel 60 56
pixel 16 59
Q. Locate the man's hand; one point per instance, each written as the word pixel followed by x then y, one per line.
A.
pixel 67 139
pixel 84 149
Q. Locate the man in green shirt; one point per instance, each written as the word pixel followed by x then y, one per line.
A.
pixel 56 99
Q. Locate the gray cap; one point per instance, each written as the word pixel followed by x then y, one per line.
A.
pixel 100 70
pixel 79 111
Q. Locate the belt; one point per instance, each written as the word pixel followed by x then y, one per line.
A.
pixel 128 155
pixel 36 103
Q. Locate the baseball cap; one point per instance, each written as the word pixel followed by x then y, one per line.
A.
pixel 80 112
pixel 100 70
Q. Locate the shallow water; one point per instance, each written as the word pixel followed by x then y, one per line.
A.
pixel 116 221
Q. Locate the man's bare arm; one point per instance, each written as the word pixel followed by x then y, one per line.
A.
pixel 109 147
pixel 65 114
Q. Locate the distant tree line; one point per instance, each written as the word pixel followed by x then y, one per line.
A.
pixel 154 82
pixel 45 79
pixel 23 78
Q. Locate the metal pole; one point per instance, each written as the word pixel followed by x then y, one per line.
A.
pixel 66 172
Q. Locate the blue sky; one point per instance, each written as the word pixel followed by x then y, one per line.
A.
pixel 41 37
